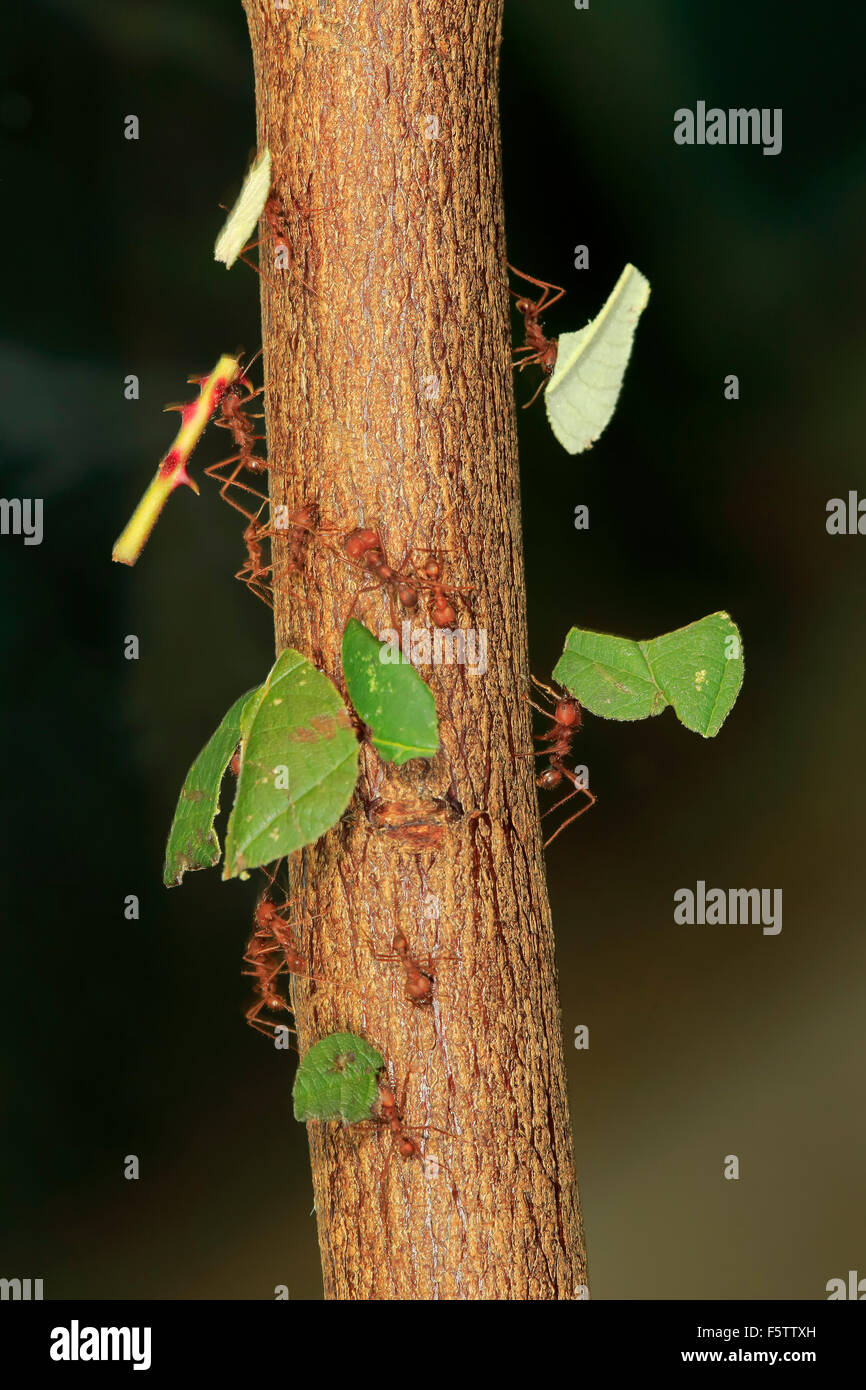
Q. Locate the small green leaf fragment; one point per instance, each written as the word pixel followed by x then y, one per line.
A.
pixel 192 840
pixel 698 669
pixel 337 1080
pixel 389 696
pixel 299 765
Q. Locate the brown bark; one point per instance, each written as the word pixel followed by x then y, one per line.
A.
pixel 397 283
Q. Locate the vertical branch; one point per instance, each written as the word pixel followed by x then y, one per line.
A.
pixel 389 403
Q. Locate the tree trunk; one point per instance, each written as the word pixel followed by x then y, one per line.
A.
pixel 389 403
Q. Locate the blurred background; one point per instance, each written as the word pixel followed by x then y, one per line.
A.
pixel 124 1037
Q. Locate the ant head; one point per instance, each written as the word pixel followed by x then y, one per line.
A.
pixel 523 305
pixel 387 1099
pixel 359 541
pixel 408 1148
pixel 432 569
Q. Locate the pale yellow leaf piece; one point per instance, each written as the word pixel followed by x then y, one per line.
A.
pixel 246 212
pixel 582 393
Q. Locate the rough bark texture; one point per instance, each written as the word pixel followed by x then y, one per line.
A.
pixel 389 402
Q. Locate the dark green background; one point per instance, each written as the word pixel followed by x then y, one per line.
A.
pixel 129 1037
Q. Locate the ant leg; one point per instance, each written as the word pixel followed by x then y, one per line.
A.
pixel 555 695
pixel 538 390
pixel 256 355
pixel 591 800
pixel 542 285
pixel 260 592
pixel 212 471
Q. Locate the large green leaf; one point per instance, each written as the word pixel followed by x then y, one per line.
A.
pixel 698 669
pixel 390 697
pixel 337 1080
pixel 192 840
pixel 299 765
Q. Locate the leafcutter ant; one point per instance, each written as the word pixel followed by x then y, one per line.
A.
pixel 539 349
pixel 566 721
pixel 419 982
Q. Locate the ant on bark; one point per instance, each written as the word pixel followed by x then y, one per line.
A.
pixel 407 1147
pixel 363 547
pixel 419 982
pixel 567 719
pixel 302 526
pixel 272 934
pixel 442 610
pixel 233 417
pixel 274 215
pixel 254 573
pixel 540 349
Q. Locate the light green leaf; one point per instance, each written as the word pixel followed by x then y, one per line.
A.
pixel 698 669
pixel 389 696
pixel 582 393
pixel 299 765
pixel 337 1080
pixel 608 675
pixel 239 224
pixel 192 840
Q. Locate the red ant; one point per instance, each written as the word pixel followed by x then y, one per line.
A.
pixel 363 546
pixel 391 1118
pixel 233 417
pixel 274 215
pixel 254 573
pixel 407 1148
pixel 567 720
pixel 442 610
pixel 272 934
pixel 300 529
pixel 540 349
pixel 302 526
pixel 419 983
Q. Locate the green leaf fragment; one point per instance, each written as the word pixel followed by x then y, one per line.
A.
pixel 192 840
pixel 582 393
pixel 337 1080
pixel 389 696
pixel 697 669
pixel 299 765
